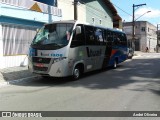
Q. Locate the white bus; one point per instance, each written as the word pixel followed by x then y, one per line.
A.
pixel 71 48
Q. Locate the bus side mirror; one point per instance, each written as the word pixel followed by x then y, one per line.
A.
pixel 78 30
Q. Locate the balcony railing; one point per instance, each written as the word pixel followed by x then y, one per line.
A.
pixel 27 4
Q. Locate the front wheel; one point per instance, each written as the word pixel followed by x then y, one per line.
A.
pixel 76 73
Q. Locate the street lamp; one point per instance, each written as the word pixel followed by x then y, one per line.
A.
pixel 133 24
pixel 142 15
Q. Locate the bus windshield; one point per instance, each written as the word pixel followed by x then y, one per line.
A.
pixel 53 36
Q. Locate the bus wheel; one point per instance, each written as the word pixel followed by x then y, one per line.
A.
pixel 76 73
pixel 115 64
pixel 46 77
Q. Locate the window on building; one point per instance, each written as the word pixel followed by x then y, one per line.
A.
pixel 93 20
pixel 100 22
pixel 143 29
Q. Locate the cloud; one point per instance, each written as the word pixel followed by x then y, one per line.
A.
pixel 155 13
pixel 141 14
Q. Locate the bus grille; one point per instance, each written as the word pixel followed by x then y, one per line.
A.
pixel 41 60
pixel 40 68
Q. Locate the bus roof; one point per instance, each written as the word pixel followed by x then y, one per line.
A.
pixel 63 21
pixel 79 22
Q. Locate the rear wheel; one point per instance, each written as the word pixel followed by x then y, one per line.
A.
pixel 115 64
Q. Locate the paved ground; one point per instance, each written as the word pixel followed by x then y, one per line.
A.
pixel 15 74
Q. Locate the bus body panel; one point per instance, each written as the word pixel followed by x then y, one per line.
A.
pixel 49 62
pixel 90 56
pixel 119 53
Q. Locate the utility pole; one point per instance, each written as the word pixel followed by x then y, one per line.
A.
pixel 158 39
pixel 75 9
pixel 133 25
pixel 133 30
pixel 49 14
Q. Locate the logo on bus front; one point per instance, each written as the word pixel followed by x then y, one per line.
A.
pixel 52 54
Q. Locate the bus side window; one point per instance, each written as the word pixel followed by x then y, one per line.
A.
pixel 78 37
pixel 90 37
pixel 124 39
pixel 99 36
pixel 109 37
pixel 117 39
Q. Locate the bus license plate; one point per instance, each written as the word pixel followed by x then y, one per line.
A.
pixel 39 65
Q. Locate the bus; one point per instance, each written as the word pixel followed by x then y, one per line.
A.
pixel 71 48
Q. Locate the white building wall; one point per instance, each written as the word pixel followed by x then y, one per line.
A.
pixel 143 43
pixel 151 37
pixel 148 38
pixel 11 61
pixel 8 61
pixel 82 13
pixel 68 10
pixel 151 43
pixel 1 48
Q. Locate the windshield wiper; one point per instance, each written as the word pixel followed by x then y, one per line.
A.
pixel 55 44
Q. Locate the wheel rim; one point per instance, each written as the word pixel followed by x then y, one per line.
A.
pixel 115 64
pixel 76 73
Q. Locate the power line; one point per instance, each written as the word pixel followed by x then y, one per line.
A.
pixel 103 11
pixel 122 10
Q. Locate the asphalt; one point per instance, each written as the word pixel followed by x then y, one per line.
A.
pixel 20 73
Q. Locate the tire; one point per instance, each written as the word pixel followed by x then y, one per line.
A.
pixel 115 64
pixel 76 73
pixel 46 77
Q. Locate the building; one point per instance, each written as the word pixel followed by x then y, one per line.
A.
pixel 145 35
pixel 19 21
pixel 97 12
